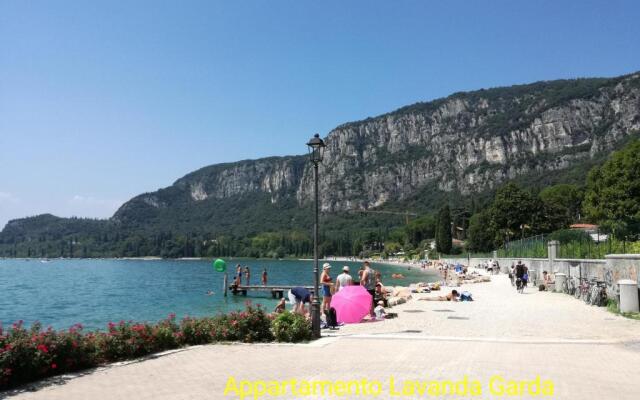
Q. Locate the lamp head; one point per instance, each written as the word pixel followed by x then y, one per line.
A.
pixel 316 148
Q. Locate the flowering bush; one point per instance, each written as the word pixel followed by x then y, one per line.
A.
pixel 291 327
pixel 249 326
pixel 30 354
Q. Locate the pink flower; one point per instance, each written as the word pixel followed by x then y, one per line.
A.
pixel 42 348
pixel 54 366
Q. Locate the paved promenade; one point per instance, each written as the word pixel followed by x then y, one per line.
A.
pixel 587 352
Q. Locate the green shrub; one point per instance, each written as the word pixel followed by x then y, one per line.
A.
pixel 291 327
pixel 195 331
pixel 570 235
pixel 251 325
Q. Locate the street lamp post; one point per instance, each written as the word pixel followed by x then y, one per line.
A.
pixel 316 152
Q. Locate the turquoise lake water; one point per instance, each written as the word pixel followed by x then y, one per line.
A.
pixel 61 293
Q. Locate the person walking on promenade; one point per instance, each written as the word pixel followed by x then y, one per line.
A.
pixel 512 274
pixel 369 282
pixel 264 277
pixel 520 270
pixel 325 281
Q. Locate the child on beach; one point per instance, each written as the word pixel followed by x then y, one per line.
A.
pixel 379 311
pixel 280 307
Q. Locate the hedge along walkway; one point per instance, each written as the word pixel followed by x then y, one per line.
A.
pixel 586 351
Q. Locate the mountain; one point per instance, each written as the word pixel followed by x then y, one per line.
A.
pixel 417 156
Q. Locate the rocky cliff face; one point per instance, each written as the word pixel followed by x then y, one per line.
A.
pixel 467 142
pixel 474 141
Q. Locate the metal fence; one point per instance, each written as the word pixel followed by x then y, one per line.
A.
pixel 530 247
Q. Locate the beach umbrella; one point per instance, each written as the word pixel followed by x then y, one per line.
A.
pixel 352 303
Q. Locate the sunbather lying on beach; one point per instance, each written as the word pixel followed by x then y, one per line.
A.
pixel 453 296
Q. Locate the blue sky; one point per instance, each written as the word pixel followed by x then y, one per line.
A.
pixel 100 101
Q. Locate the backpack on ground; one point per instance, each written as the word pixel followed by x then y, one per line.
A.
pixel 466 296
pixel 332 319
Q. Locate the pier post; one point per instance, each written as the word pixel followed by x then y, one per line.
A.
pixel 225 284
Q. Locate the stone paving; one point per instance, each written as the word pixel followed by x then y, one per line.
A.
pixel 585 351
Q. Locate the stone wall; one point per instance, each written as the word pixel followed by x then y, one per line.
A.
pixel 610 270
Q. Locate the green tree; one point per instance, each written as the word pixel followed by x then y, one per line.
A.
pixel 480 233
pixel 420 229
pixel 443 231
pixel 513 208
pixel 613 190
pixel 561 206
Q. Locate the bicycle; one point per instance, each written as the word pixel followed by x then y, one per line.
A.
pixel 569 287
pixel 520 284
pixel 598 293
pixel 582 291
pixel 566 286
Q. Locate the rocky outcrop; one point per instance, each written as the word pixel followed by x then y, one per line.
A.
pixel 467 142
pixel 472 142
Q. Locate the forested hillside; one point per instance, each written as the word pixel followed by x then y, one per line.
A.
pixel 456 150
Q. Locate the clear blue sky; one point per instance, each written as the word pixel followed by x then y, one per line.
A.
pixel 100 101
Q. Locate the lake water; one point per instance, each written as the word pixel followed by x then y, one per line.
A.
pixel 61 293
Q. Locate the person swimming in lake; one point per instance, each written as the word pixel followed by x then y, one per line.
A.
pixel 210 293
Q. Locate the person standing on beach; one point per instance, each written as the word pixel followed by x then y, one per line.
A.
pixel 344 279
pixel 369 282
pixel 247 274
pixel 325 281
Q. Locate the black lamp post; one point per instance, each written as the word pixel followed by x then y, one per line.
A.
pixel 316 152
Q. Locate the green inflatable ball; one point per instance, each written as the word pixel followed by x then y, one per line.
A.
pixel 220 265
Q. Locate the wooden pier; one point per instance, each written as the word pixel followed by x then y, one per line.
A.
pixel 277 291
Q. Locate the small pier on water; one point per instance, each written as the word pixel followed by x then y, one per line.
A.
pixel 277 291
